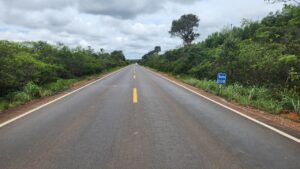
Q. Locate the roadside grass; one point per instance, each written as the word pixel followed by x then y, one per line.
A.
pixel 33 91
pixel 258 97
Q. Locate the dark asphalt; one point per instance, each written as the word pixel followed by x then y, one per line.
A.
pixel 169 127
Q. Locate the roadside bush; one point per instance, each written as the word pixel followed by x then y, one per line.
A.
pixel 296 105
pixel 21 97
pixel 59 85
pixel 45 92
pixel 29 92
pixel 291 103
pixel 42 63
pixel 32 90
pixel 4 104
pixel 271 106
pixel 32 70
pixel 248 96
pixel 261 59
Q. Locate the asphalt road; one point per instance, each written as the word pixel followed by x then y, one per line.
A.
pixel 168 127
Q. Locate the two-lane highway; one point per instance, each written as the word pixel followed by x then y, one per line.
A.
pixel 134 119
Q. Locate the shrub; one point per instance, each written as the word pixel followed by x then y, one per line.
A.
pixel 60 85
pixel 21 97
pixel 258 97
pixel 4 104
pixel 291 103
pixel 45 92
pixel 296 105
pixel 32 90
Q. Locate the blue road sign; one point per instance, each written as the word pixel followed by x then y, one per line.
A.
pixel 221 79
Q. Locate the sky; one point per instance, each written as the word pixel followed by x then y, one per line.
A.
pixel 134 26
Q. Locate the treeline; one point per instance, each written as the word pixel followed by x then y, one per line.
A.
pixel 262 53
pixel 257 53
pixel 39 63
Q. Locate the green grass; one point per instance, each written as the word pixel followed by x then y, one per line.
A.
pixel 258 97
pixel 32 91
pixel 3 104
pixel 59 85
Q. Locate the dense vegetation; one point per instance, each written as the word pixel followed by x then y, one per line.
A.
pixel 36 69
pixel 258 56
pixel 185 28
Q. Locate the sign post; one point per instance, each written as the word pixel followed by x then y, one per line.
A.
pixel 221 79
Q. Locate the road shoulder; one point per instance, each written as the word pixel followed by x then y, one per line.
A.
pixel 12 113
pixel 286 125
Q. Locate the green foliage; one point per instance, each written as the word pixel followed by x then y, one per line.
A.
pixel 32 89
pixel 60 85
pixel 31 70
pixel 184 28
pixel 258 97
pixel 264 54
pixel 42 63
pixel 21 97
pixel 290 101
pixel 296 105
pixel 4 104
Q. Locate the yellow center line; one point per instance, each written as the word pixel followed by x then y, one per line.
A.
pixel 134 96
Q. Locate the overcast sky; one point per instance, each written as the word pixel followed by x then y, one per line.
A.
pixel 134 26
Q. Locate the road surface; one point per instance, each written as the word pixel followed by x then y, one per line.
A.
pixel 134 119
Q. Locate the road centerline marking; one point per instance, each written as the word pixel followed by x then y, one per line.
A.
pixel 134 96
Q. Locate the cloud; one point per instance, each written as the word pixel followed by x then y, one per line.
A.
pixel 134 26
pixel 115 8
pixel 47 18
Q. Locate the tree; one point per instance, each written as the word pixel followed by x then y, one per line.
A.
pixel 23 63
pixel 185 27
pixel 229 56
pixel 157 49
pixel 118 55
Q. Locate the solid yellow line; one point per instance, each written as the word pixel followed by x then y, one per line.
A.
pixel 134 96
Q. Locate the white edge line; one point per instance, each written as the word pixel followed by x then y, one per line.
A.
pixel 46 104
pixel 233 110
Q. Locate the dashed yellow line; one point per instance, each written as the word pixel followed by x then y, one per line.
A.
pixel 134 96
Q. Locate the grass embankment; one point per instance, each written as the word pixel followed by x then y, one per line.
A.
pixel 33 91
pixel 258 97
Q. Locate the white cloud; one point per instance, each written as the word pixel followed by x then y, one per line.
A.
pixel 134 26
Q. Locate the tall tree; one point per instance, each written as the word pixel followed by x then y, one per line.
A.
pixel 185 27
pixel 157 49
pixel 118 55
